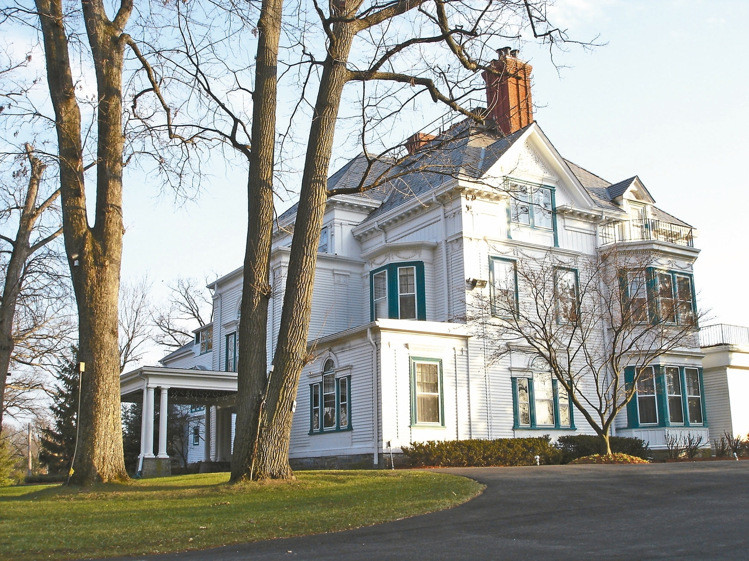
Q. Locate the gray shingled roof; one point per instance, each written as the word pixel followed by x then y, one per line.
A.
pixel 596 186
pixel 177 351
pixel 464 150
pixel 350 175
pixel 618 189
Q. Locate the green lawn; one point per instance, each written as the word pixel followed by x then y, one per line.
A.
pixel 201 511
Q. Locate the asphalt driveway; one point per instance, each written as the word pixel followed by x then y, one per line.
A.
pixel 684 511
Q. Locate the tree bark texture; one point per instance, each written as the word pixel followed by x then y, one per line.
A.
pixel 252 366
pixel 21 251
pixel 94 252
pixel 272 458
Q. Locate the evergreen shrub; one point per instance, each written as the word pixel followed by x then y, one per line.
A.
pixel 479 453
pixel 581 445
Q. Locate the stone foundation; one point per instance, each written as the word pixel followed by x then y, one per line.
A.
pixel 157 467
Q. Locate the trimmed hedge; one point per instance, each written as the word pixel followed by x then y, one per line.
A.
pixel 480 453
pixel 581 445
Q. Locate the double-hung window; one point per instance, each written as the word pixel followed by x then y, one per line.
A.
pixel 646 402
pixel 684 299
pixel 566 295
pixel 330 401
pixel 694 395
pixel 230 363
pixel 397 291
pixel 665 292
pixel 540 401
pixel 674 297
pixel 323 246
pixel 531 205
pixel 204 338
pixel 675 395
pixel 426 392
pixel 636 303
pixel 504 287
pixel 195 435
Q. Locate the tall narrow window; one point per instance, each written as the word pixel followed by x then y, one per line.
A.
pixel 565 420
pixel 542 208
pixel 329 395
pixel 315 407
pixel 684 301
pixel 673 386
pixel 407 292
pixel 231 353
pixel 665 287
pixel 637 291
pixel 324 243
pixel 523 402
pixel 380 294
pixel 544 398
pixel 427 392
pixel 566 295
pixel 694 395
pixel 646 404
pixel 503 287
pixel 205 338
pixel 520 208
pixel 343 408
pixel 195 435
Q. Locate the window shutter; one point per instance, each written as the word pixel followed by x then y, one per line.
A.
pixel 629 381
pixel 421 305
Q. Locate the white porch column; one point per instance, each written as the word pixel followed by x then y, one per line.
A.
pixel 207 440
pixel 148 415
pixel 143 413
pixel 163 416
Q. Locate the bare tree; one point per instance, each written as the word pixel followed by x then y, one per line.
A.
pixel 590 320
pixel 189 304
pixel 391 68
pixel 31 281
pixel 134 322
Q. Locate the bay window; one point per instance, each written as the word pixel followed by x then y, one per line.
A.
pixel 397 291
pixel 665 396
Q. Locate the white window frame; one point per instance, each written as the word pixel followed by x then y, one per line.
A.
pixel 382 298
pixel 415 363
pixel 668 371
pixel 641 395
pixel 690 396
pixel 401 293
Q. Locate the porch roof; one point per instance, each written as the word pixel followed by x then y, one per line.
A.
pixel 186 386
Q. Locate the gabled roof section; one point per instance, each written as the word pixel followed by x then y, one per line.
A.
pixel 178 352
pixel 633 184
pixel 350 176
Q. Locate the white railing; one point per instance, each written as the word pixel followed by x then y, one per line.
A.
pixel 648 229
pixel 723 334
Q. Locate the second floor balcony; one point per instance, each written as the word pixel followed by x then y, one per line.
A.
pixel 648 229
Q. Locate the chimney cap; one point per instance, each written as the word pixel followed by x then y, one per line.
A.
pixel 505 51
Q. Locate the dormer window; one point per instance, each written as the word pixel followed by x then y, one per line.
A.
pixel 204 338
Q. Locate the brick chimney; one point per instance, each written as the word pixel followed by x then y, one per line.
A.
pixel 508 91
pixel 417 140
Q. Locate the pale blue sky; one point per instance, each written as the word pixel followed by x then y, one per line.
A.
pixel 664 99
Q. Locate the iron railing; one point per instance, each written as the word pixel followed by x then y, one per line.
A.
pixel 646 229
pixel 723 334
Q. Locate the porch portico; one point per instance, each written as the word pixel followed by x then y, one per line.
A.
pixel 215 390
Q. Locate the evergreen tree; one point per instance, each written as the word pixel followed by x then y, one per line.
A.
pixel 131 420
pixel 58 441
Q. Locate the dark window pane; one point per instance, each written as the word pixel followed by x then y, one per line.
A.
pixel 647 408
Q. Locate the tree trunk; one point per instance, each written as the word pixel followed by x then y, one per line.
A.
pixel 272 459
pixel 252 366
pixel 606 438
pixel 14 274
pixel 94 252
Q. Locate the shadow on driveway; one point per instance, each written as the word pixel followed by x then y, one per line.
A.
pixel 684 511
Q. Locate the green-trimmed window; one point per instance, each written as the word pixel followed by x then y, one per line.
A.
pixel 531 206
pixel 636 295
pixel 666 396
pixel 566 295
pixel 675 395
pixel 330 401
pixel 647 405
pixel 230 362
pixel 503 277
pixel 195 435
pixel 671 296
pixel 426 392
pixel 694 395
pixel 204 338
pixel 397 291
pixel 539 400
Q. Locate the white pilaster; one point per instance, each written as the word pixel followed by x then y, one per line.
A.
pixel 163 416
pixel 143 412
pixel 207 441
pixel 148 411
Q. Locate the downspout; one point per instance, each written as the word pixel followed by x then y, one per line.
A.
pixel 375 400
pixel 382 231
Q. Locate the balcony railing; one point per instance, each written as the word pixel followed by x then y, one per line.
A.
pixel 647 229
pixel 724 334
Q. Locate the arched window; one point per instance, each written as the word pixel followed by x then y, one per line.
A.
pixel 329 401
